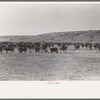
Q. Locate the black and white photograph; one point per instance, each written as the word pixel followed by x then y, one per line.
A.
pixel 49 41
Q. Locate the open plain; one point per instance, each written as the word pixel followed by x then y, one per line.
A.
pixel 71 65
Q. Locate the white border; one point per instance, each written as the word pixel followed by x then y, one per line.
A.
pixel 82 2
pixel 37 89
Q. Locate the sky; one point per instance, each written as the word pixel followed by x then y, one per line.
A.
pixel 30 18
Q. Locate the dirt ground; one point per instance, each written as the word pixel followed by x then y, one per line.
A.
pixel 72 65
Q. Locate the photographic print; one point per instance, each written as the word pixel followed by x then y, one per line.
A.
pixel 49 41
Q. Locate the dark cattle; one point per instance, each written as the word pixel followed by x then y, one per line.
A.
pixel 37 49
pixel 64 47
pixel 90 46
pixel 22 49
pixel 54 49
pixel 11 49
pixel 44 47
pixel 29 46
pixel 1 49
pixel 99 47
pixel 86 45
pixel 82 45
pixel 21 44
pixel 77 46
pixel 95 45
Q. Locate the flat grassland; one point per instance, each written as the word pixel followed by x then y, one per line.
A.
pixel 72 65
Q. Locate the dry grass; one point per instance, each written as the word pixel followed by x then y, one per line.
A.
pixel 73 65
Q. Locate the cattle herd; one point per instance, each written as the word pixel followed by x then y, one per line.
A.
pixel 44 47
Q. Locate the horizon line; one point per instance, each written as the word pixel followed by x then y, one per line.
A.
pixel 50 32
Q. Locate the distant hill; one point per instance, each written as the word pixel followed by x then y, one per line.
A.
pixel 71 36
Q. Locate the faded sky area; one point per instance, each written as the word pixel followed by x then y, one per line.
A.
pixel 37 18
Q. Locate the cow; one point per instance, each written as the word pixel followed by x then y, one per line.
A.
pixel 44 47
pixel 22 49
pixel 37 49
pixel 64 47
pixel 90 46
pixel 54 49
pixel 99 47
pixel 30 46
pixel 95 45
pixel 1 49
pixel 76 45
pixel 8 48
